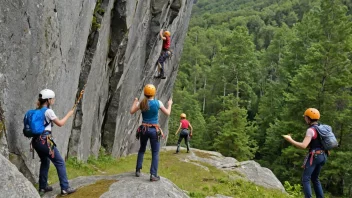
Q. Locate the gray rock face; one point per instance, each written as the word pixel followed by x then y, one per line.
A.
pixel 42 44
pixel 127 185
pixel 259 175
pixel 12 183
pixel 130 186
pixel 108 47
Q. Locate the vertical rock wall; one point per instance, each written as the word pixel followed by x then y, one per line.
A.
pixel 108 47
pixel 42 44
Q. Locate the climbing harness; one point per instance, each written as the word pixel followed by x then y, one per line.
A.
pixel 144 127
pixel 313 153
pixel 48 139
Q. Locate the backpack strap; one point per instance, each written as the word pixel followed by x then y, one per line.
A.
pixel 315 132
pixel 45 120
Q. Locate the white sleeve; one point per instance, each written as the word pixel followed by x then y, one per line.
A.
pixel 160 104
pixel 50 115
pixel 310 132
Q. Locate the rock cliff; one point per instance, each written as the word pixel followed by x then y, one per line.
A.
pixel 12 183
pixel 108 47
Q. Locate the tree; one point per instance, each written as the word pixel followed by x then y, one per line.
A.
pixel 234 136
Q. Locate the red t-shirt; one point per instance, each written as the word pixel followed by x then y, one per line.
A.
pixel 184 124
pixel 166 43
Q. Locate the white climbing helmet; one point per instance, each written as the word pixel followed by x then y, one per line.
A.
pixel 46 94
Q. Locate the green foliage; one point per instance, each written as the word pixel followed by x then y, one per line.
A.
pixel 294 190
pixel 234 135
pixel 251 68
pixel 98 11
pixel 95 24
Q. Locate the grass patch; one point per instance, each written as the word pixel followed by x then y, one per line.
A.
pixel 198 182
pixel 93 190
pixel 203 155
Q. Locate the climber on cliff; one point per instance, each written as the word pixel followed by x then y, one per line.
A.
pixel 165 52
pixel 185 134
pixel 46 148
pixel 150 128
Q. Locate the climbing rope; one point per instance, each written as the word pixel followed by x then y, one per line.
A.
pixel 80 97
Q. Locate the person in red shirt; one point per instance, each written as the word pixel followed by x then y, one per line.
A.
pixel 165 53
pixel 185 134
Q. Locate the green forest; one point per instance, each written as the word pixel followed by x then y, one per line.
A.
pixel 249 70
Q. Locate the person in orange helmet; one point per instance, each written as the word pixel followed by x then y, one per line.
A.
pixel 185 134
pixel 316 156
pixel 150 128
pixel 165 53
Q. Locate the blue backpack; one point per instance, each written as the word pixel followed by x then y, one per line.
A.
pixel 34 122
pixel 327 137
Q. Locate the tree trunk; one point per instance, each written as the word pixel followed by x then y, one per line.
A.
pixel 205 84
pixel 237 90
pixel 195 78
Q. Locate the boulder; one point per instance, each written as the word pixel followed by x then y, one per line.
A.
pixel 250 170
pixel 12 183
pixel 259 175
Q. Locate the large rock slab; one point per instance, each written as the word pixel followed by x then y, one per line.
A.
pixel 251 170
pixel 259 175
pixel 128 185
pixel 12 183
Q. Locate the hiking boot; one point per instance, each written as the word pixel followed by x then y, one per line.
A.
pixel 138 173
pixel 46 189
pixel 67 191
pixel 154 178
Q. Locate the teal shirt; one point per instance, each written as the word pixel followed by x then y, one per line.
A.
pixel 151 116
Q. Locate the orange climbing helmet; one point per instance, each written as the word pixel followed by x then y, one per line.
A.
pixel 167 33
pixel 149 90
pixel 312 113
pixel 183 115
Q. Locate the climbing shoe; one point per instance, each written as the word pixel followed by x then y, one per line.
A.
pixel 154 178
pixel 138 173
pixel 43 191
pixel 67 191
pixel 163 77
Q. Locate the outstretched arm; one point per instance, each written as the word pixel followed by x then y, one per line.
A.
pixel 161 35
pixel 168 110
pixel 62 122
pixel 301 145
pixel 178 129
pixel 134 107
